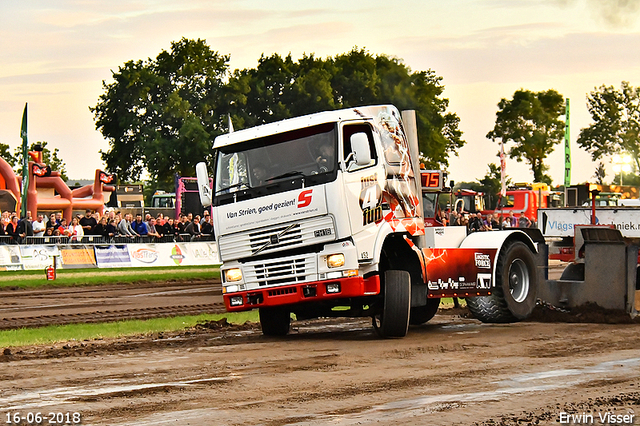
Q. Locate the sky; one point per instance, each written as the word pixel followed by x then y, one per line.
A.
pixel 55 55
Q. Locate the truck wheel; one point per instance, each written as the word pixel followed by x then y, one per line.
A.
pixel 514 295
pixel 275 321
pixel 421 314
pixel 394 319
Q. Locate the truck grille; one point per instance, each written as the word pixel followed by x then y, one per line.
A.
pixel 287 270
pixel 271 239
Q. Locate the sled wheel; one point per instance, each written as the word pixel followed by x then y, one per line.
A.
pixel 514 295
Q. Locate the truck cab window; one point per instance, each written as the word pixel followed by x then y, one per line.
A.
pixel 351 129
pixel 276 163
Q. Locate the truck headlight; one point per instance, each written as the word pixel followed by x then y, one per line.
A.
pixel 335 260
pixel 234 274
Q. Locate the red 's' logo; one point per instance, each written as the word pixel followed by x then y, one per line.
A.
pixel 304 199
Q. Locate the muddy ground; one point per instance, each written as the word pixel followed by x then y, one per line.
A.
pixel 451 371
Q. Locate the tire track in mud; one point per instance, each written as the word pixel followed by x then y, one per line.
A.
pixel 108 303
pixel 110 316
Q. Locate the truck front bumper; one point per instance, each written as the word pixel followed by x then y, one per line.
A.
pixel 315 291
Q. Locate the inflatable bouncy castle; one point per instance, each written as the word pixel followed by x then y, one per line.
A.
pixel 48 192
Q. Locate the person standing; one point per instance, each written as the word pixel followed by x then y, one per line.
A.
pixel 152 230
pixel 101 227
pixel 58 219
pixel 88 222
pixel 523 221
pixel 112 229
pixel 51 223
pixel 75 230
pixel 124 227
pixel 25 228
pixel 193 228
pixel 63 229
pixel 39 226
pixel 12 228
pixel 206 227
pixel 475 223
pixel 139 227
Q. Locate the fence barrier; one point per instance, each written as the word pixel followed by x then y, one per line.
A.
pixel 100 252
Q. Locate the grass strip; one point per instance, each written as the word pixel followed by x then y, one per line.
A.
pixel 87 277
pixel 78 332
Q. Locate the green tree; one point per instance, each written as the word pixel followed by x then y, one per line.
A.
pixel 531 123
pixel 600 173
pixel 5 154
pixel 280 87
pixel 160 116
pixel 616 122
pixel 491 185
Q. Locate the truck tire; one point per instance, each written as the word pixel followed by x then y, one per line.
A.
pixel 421 314
pixel 275 321
pixel 393 321
pixel 515 292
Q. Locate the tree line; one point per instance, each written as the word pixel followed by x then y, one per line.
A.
pixel 160 115
pixel 51 158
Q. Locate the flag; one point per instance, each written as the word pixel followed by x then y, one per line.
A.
pixel 503 171
pixel 567 149
pixel 25 164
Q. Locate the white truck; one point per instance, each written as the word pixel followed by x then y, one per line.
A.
pixel 322 216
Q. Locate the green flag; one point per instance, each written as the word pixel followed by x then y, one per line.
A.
pixel 25 163
pixel 567 150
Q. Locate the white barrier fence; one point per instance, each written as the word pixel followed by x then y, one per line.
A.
pixel 74 256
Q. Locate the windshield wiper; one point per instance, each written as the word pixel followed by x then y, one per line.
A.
pixel 235 185
pixel 286 175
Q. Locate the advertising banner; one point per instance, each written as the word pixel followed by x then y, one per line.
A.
pixel 176 254
pixel 561 222
pixel 39 256
pixel 77 256
pixel 10 258
pixel 204 253
pixel 459 269
pixel 112 256
pixel 149 255
pixel 277 208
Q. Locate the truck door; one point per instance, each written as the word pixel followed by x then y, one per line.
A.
pixel 363 185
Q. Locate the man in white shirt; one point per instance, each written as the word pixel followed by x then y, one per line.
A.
pixel 39 226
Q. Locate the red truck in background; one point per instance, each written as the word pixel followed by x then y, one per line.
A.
pixel 521 199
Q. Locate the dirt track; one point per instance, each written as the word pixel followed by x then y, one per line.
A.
pixel 66 305
pixel 451 371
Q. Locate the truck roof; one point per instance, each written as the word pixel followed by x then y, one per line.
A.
pixel 301 122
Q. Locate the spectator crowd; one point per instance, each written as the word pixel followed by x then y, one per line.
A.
pixel 110 227
pixel 489 222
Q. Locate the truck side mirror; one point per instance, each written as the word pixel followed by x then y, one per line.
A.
pixel 360 149
pixel 203 184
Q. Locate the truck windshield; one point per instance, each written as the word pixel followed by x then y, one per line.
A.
pixel 303 157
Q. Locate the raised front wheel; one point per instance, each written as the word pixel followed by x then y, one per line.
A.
pixel 393 321
pixel 275 321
